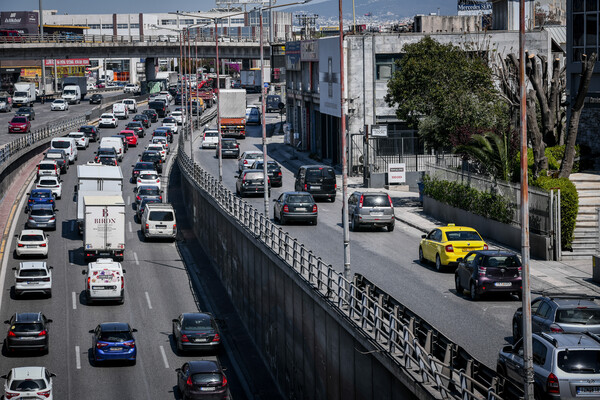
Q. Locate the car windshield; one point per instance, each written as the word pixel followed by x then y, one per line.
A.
pixel 59 144
pixel 115 336
pixel 20 120
pixel 320 173
pixel 24 110
pixel 107 116
pixel 148 201
pixel 53 155
pixel 196 323
pixel 253 156
pixel 48 182
pixel 149 191
pixel 42 212
pixel 227 144
pixel 169 121
pixel 106 152
pixel 155 148
pixel 150 157
pixel 299 198
pixel 127 133
pixel 76 135
pixel 579 315
pixel 161 216
pixel 376 201
pixel 27 385
pixel 206 378
pixel 47 166
pixel 41 195
pixel 254 175
pixel 142 166
pixel 148 176
pixel 579 361
pixel 58 101
pixel 501 261
pixel 462 235
pixel 32 272
pixel 212 134
pixel 32 238
pixel 27 327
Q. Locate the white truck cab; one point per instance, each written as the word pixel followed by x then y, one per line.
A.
pixel 104 281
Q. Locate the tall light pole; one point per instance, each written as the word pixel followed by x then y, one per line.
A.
pixel 43 88
pixel 344 154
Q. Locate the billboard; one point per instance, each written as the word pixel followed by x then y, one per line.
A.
pixel 292 56
pixel 329 76
pixel 70 62
pixel 474 7
pixel 25 22
pixel 309 50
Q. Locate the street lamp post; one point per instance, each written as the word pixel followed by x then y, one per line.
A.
pixel 344 155
pixel 263 119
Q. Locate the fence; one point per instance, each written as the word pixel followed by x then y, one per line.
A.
pixel 201 37
pixel 414 346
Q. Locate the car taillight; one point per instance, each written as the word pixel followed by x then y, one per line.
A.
pixel 129 344
pixel 122 283
pixel 216 338
pixel 552 385
pixel 481 270
pixel 101 345
pixel 88 283
pixel 245 161
pixel 9 395
pixel 43 333
pixel 360 204
pixel 20 245
pixel 160 197
pixel 485 246
pixel 189 381
pixel 11 333
pixel 45 279
pixel 184 338
pixel 314 208
pixel 138 198
pixel 45 393
pixel 390 199
pixel 555 328
pixel 147 226
pixel 174 226
pixel 279 173
pixel 43 245
pixel 305 187
pixel 52 219
pixel 520 272
pixel 224 380
pixel 139 181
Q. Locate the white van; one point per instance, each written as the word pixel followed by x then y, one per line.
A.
pixel 104 281
pixel 131 105
pixel 116 143
pixel 121 110
pixel 69 145
pixel 159 221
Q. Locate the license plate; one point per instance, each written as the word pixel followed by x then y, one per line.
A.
pixel 376 214
pixel 161 226
pixel 301 209
pixel 502 284
pixel 104 254
pixel 31 246
pixel 316 187
pixel 208 389
pixel 200 340
pixel 588 389
pixel 32 282
pixel 102 287
pixel 116 349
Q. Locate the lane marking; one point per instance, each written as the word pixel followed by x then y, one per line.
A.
pixel 71 257
pixel 137 262
pixel 130 228
pixel 74 297
pixel 77 357
pixel 128 199
pixel 164 356
pixel 148 300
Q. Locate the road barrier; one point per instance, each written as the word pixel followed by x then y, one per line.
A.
pixel 202 37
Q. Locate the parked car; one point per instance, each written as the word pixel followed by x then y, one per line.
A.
pixel 251 181
pixel 130 137
pixel 108 120
pixel 91 132
pixel 230 148
pixel 560 313
pixel 273 171
pixel 50 182
pixel 144 119
pixel 47 168
pixel 28 331
pixel 295 206
pixel 210 139
pixel 19 124
pixel 247 159
pixel 137 127
pixel 33 277
pixel 196 379
pixel 151 114
pixel 196 331
pixel 81 140
pixel 96 98
pixel 42 216
pixel 566 365
pixel 22 381
pixel 59 105
pixel 317 180
pixel 31 242
pixel 28 112
pixel 114 341
pixel 373 209
pixel 141 208
pixel 60 157
pixel 39 196
pixel 445 245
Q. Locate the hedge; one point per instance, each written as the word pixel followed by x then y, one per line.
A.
pixel 488 205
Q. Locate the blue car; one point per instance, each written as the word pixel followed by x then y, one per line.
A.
pixel 39 196
pixel 113 341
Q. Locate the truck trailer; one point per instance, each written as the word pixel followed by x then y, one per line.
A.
pixel 104 227
pixel 232 107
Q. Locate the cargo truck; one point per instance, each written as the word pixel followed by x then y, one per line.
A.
pixel 24 94
pixel 70 93
pixel 251 81
pixel 170 78
pixel 104 227
pixel 232 108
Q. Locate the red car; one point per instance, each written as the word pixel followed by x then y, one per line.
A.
pixel 19 124
pixel 130 136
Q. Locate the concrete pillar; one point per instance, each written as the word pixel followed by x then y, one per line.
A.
pixel 151 67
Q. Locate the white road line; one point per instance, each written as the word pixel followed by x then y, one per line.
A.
pixel 164 356
pixel 74 297
pixel 77 357
pixel 137 262
pixel 148 300
pixel 130 228
pixel 128 199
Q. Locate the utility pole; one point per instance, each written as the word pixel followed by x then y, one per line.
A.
pixel 43 85
pixel 218 102
pixel 347 271
pixel 263 121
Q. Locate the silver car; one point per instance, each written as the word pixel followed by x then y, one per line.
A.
pixel 373 209
pixel 42 216
pixel 33 277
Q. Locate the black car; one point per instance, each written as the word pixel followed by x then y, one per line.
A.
pixel 147 191
pixel 144 119
pixel 159 107
pixel 178 99
pixel 28 331
pixel 96 98
pixel 90 132
pixel 316 180
pixel 108 160
pixel 139 211
pixel 295 206
pixel 203 379
pixel 273 171
pixel 105 151
pixel 28 112
pixel 137 127
pixel 230 148
pixel 61 158
pixel 196 331
pixel 141 166
pixel 164 131
pixel 154 157
pixel 151 114
pixel 251 181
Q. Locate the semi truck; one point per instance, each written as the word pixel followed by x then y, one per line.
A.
pixel 24 94
pixel 170 78
pixel 104 227
pixel 251 81
pixel 232 107
pixel 70 93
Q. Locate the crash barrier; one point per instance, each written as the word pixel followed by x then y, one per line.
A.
pixel 403 343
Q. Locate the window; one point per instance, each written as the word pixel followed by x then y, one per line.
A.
pixel 539 352
pixel 107 26
pixel 136 26
pixel 544 311
pixel 385 65
pixel 122 26
pixel 186 21
pixel 168 22
pixel 94 26
pixel 238 21
pixel 585 28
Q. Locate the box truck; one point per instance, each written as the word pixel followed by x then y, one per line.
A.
pixel 24 94
pixel 70 93
pixel 104 227
pixel 232 107
pixel 96 180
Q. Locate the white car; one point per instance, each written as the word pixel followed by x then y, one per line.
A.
pixel 32 242
pixel 158 147
pixel 179 117
pixel 170 123
pixel 248 158
pixel 167 94
pixel 81 140
pixel 161 140
pixel 48 168
pixel 131 105
pixel 104 281
pixel 59 104
pixel 210 139
pixel 108 120
pixel 148 178
pixel 91 86
pixel 50 182
pixel 131 88
pixel 33 277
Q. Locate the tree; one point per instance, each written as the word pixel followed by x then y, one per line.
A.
pixel 440 88
pixel 492 151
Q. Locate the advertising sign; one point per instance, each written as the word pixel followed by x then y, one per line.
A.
pixel 309 50
pixel 379 130
pixel 397 173
pixel 25 22
pixel 329 76
pixel 71 62
pixel 474 7
pixel 292 56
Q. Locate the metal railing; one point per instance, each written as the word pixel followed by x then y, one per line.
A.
pixel 164 39
pixel 442 367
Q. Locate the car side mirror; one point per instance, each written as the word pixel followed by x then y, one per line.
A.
pixel 91 331
pixel 520 309
pixel 236 176
pixel 14 268
pixel 459 260
pixel 50 267
pixel 28 194
pixel 56 210
pixel 83 272
pixel 48 321
pixel 75 188
pixel 133 166
pixel 124 271
pixel 423 236
pixel 53 375
pixel 175 320
pixel 4 376
pixel 7 322
pixel 176 370
pixel 507 349
pixel 134 330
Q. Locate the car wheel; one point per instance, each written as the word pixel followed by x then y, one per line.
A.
pixel 473 292
pixel 421 257
pixel 332 199
pixel 516 332
pixel 500 370
pixel 457 285
pixel 438 263
pixel 314 222
pixel 520 296
pixel 390 228
pixel 282 220
pixel 353 224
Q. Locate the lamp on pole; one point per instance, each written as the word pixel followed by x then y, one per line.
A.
pixel 43 85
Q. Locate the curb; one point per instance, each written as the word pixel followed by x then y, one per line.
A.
pixel 411 224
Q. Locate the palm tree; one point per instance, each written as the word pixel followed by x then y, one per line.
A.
pixel 491 151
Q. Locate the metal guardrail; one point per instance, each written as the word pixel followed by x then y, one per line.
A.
pixel 36 38
pixel 442 367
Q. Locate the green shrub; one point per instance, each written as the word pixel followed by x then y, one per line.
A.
pixel 461 196
pixel 557 152
pixel 569 205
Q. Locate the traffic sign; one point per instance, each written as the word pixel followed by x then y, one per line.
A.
pixel 266 84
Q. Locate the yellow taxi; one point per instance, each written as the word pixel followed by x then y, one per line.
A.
pixel 446 244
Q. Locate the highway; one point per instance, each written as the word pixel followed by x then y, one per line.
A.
pixel 389 259
pixel 158 288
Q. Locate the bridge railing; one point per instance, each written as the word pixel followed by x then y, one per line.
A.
pixel 159 39
pixel 441 366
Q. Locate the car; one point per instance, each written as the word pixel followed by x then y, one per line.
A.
pixel 31 242
pixel 28 112
pixel 39 196
pixel 565 365
pixel 22 381
pixel 81 140
pixel 42 216
pixel 32 277
pixel 295 206
pixel 144 119
pixel 318 180
pixel 159 107
pixel 273 171
pixel 230 148
pixel 272 103
pixel 28 331
pixel 248 158
pixel 148 178
pixel 560 313
pixel 164 131
pixel 144 191
pixel 488 271
pixel 196 331
pixel 114 341
pixel 60 157
pixel 210 139
pixel 171 123
pixel 140 166
pixel 253 116
pixel 167 95
pixel 373 209
pixel 202 379
pixel 50 182
pixel 59 105
pixel 68 145
pixel 251 181
pixel 158 147
pixel 130 137
pixel 140 209
pixel 104 281
pixel 96 98
pixel 151 114
pixel 152 156
pixel 131 88
pixel 137 127
pixel 91 132
pixel 446 244
pixel 178 116
pixel 109 120
pixel 107 160
pixel 105 152
pixel 48 168
pixel 161 140
pixel 19 124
